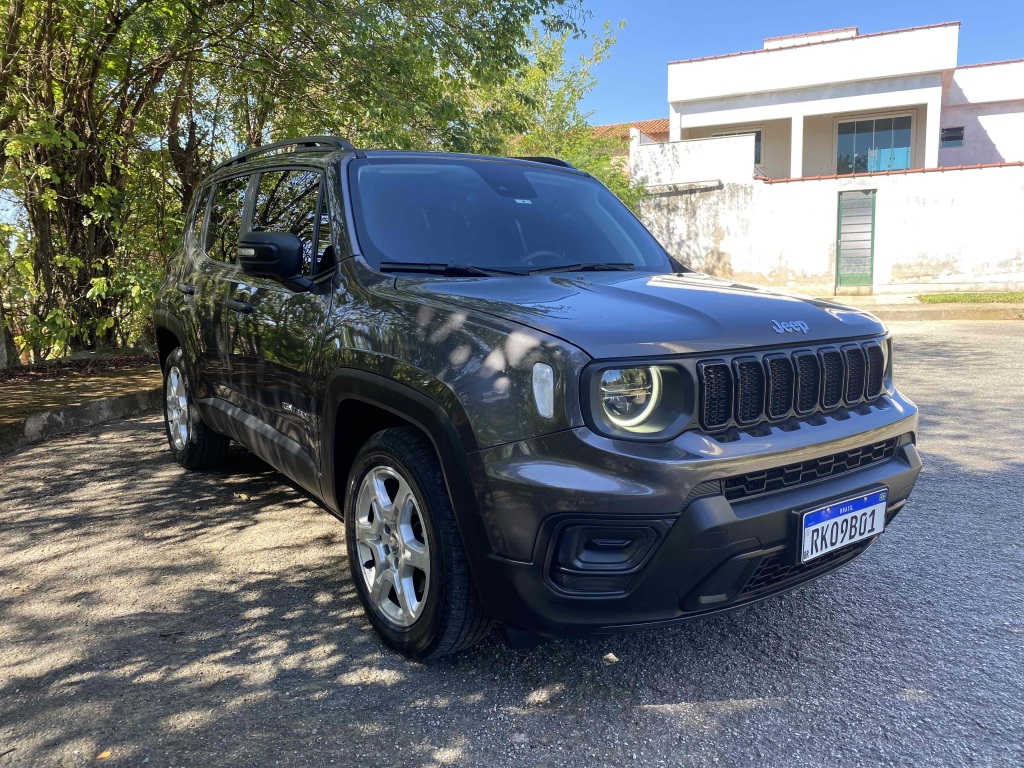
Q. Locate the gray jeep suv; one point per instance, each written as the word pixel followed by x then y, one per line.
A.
pixel 524 411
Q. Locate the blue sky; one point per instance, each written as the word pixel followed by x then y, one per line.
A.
pixel 632 82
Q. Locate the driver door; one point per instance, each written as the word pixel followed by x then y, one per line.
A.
pixel 277 331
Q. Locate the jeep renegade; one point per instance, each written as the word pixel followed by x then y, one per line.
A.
pixel 521 407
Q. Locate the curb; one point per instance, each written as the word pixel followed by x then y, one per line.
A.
pixel 39 426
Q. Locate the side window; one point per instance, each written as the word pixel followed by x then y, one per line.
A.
pixel 195 225
pixel 288 201
pixel 225 225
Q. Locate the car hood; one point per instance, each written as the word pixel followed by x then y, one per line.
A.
pixel 615 314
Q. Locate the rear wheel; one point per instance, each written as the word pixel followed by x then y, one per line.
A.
pixel 405 550
pixel 193 444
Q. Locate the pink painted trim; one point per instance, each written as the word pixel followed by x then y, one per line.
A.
pixel 991 63
pixel 820 42
pixel 810 34
pixel 892 173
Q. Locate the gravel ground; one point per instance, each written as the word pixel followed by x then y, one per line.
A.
pixel 150 616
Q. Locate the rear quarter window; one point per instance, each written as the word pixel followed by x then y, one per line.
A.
pixel 225 224
pixel 194 230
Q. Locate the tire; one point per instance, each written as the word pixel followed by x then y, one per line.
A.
pixel 401 530
pixel 193 444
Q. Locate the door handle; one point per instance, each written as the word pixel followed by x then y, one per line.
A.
pixel 239 306
pixel 188 290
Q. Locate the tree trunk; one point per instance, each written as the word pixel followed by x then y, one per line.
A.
pixel 74 244
pixel 4 356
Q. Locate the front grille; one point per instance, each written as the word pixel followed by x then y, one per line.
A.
pixel 716 394
pixel 779 369
pixel 855 367
pixel 749 390
pixel 773 573
pixel 876 369
pixel 832 378
pixel 808 381
pixel 791 475
pixel 778 385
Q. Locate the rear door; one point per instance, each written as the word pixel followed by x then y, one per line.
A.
pixel 276 337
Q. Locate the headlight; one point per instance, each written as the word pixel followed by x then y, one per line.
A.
pixel 643 402
pixel 630 396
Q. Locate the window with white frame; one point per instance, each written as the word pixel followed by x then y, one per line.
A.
pixel 756 130
pixel 873 144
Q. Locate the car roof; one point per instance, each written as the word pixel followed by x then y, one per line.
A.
pixel 316 151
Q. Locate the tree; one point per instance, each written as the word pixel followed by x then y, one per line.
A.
pixel 549 97
pixel 104 101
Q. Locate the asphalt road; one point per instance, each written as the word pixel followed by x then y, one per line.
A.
pixel 175 619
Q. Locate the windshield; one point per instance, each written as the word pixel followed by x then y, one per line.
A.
pixel 495 215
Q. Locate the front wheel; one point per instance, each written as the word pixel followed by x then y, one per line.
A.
pixel 405 551
pixel 193 444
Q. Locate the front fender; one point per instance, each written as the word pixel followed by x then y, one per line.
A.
pixel 450 435
pixel 456 449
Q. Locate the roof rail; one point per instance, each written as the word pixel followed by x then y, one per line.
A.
pixel 303 144
pixel 550 161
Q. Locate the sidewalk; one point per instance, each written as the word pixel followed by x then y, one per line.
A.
pixel 895 307
pixel 34 408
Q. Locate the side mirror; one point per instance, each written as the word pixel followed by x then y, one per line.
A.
pixel 274 255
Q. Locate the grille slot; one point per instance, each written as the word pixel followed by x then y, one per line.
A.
pixel 716 394
pixel 876 369
pixel 856 367
pixel 779 370
pixel 772 572
pixel 832 378
pixel 791 475
pixel 749 390
pixel 808 378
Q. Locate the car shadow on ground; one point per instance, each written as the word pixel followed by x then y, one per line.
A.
pixel 209 619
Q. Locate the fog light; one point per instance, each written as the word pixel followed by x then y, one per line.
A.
pixel 586 548
pixel 602 559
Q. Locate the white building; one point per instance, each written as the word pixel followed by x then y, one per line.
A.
pixel 846 161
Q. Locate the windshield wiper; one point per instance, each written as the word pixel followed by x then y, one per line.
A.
pixel 448 270
pixel 601 266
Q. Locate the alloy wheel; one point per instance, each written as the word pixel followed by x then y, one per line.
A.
pixel 177 407
pixel 394 553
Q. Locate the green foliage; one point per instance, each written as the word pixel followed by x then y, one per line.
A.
pixel 112 111
pixel 549 97
pixel 993 297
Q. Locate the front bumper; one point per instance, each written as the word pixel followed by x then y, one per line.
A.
pixel 695 533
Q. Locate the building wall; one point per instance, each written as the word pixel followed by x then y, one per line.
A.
pixel 917 94
pixel 820 137
pixel 819 145
pixel 985 83
pixel 723 159
pixel 864 58
pixel 993 133
pixel 775 144
pixel 784 234
pixel 988 102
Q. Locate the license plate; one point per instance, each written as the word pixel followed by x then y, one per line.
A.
pixel 842 523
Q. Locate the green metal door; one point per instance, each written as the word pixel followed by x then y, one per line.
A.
pixel 855 238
